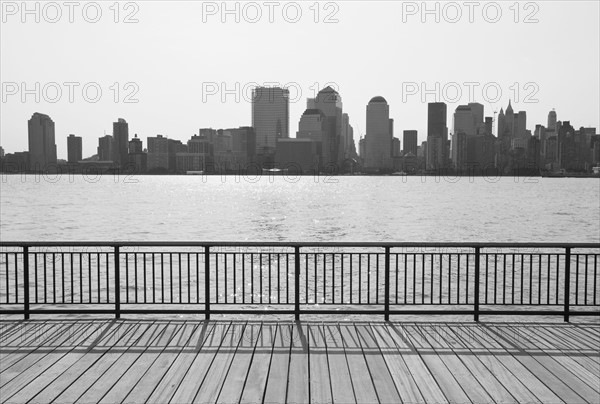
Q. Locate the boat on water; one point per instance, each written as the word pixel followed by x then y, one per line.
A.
pixel 194 172
pixel 399 173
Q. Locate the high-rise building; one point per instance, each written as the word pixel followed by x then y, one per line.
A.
pixel 465 121
pixel 552 121
pixel 120 142
pixel 158 153
pixel 437 136
pixel 105 146
pixel 42 146
pixel 459 150
pixel 330 103
pixel 378 137
pixel 138 160
pixel 313 126
pixel 74 149
pixel 270 117
pixel 489 122
pixel 477 111
pixel 409 139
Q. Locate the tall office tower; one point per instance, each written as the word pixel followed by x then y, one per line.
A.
pixel 464 121
pixel 138 160
pixel 344 141
pixel 477 111
pixel 509 130
pixel 158 153
pixel 42 148
pixel 135 145
pixel 310 103
pixel 74 149
pixel 520 125
pixel 270 117
pixel 330 103
pixel 489 122
pixel 552 121
pixel 395 147
pixel 312 125
pixel 378 138
pixel 501 124
pixel 409 139
pixel 120 142
pixel 437 136
pixel 105 146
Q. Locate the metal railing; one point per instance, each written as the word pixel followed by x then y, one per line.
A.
pixel 299 278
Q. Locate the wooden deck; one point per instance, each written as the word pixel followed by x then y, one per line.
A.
pixel 159 361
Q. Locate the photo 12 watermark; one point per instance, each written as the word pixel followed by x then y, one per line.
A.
pixel 54 12
pixel 453 12
pixel 69 92
pixel 252 12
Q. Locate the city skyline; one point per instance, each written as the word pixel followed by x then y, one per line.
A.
pixel 552 62
pixel 325 143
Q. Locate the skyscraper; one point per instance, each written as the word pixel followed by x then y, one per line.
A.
pixel 409 139
pixel 330 103
pixel 120 142
pixel 552 121
pixel 437 136
pixel 378 138
pixel 42 147
pixel 105 147
pixel 270 117
pixel 74 149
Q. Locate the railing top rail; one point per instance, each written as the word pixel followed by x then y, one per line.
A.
pixel 293 244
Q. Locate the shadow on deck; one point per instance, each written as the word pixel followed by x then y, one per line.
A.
pixel 252 361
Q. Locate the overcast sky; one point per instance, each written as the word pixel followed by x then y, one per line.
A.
pixel 180 55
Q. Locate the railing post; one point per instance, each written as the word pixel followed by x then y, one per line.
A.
pixel 207 282
pixel 117 283
pixel 297 283
pixel 567 282
pixel 476 297
pixel 387 284
pixel 25 281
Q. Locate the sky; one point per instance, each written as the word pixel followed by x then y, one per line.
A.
pixel 172 67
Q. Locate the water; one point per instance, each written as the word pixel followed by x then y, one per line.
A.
pixel 181 208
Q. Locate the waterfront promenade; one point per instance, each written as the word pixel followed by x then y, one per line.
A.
pixel 137 360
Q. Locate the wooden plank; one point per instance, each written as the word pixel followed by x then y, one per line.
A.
pixel 144 360
pixel 364 389
pixel 22 359
pixel 147 333
pixel 418 337
pixel 469 383
pixel 85 360
pixel 380 374
pixel 298 390
pixel 209 338
pixel 571 373
pixel 105 360
pixel 504 354
pixel 339 373
pixel 219 368
pixel 152 378
pixel 460 344
pixel 320 383
pixel 255 384
pixel 233 385
pixel 428 386
pixel 277 380
pixel 189 375
pixel 406 385
pixel 39 372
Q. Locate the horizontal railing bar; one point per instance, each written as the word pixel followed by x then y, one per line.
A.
pixel 328 312
pixel 292 244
